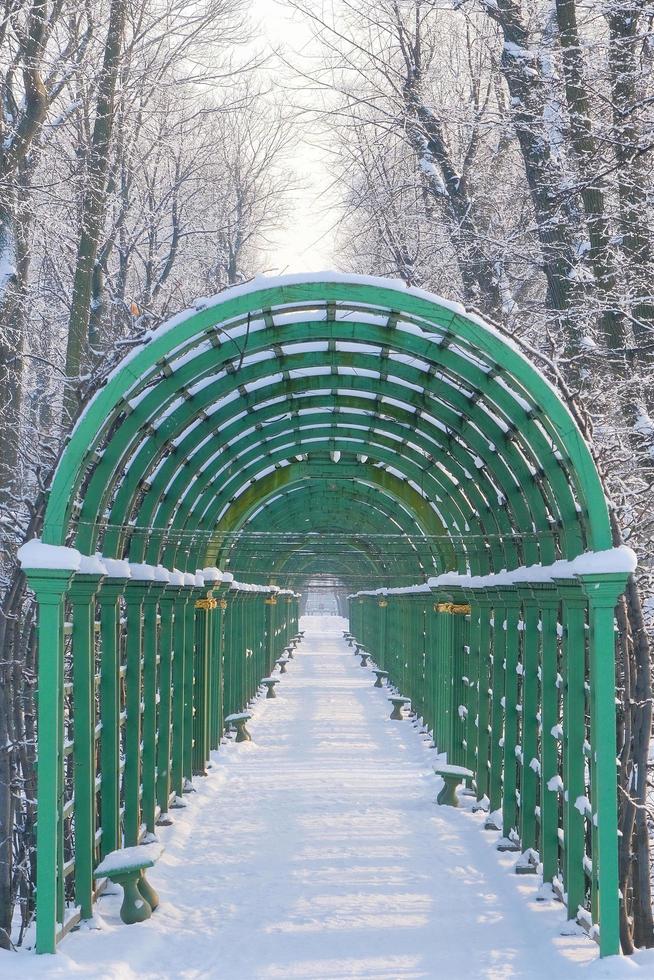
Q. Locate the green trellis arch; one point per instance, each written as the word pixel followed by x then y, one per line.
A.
pixel 405 436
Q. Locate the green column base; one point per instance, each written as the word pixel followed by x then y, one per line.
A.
pixel 135 907
pixel 242 734
pixel 447 795
pixel 147 892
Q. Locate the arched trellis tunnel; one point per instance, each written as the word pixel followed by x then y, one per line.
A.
pixel 312 426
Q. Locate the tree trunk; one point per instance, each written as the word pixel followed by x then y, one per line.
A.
pixel 94 207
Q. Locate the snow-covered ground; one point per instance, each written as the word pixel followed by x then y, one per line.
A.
pixel 317 851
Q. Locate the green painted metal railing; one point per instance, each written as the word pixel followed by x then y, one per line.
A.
pixel 517 684
pixel 136 678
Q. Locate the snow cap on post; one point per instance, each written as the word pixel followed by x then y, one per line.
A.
pixel 92 565
pixel 199 578
pixel 212 575
pixel 35 554
pixel 141 572
pixel 116 567
pixel 176 577
pixel 162 575
pixel 189 580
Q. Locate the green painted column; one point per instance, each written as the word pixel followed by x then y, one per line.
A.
pixel 472 693
pixel 167 603
pixel 512 609
pixel 271 608
pixel 549 601
pixel 82 593
pixel 204 607
pixel 498 634
pixel 109 597
pixel 444 659
pixel 484 605
pixel 602 592
pixel 50 586
pixel 382 641
pixel 530 712
pixel 149 720
pixel 179 666
pixel 136 590
pixel 218 682
pixel 190 639
pixel 460 614
pixel 573 618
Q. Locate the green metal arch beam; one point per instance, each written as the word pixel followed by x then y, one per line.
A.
pixel 224 501
pixel 321 511
pixel 514 480
pixel 151 503
pixel 277 450
pixel 291 516
pixel 581 468
pixel 220 502
pixel 293 475
pixel 435 452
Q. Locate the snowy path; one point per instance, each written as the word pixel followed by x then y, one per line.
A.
pixel 317 852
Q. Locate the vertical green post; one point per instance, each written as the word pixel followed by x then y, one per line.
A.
pixel 548 598
pixel 573 616
pixel 136 590
pixel 472 696
pixel 497 711
pixel 179 665
pixel 50 586
pixel 484 605
pixel 109 600
pixel 189 669
pixel 149 721
pixel 167 603
pixel 82 594
pixel 530 762
pixel 602 592
pixel 204 610
pixel 511 604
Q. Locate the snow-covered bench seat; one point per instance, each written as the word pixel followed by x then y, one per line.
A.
pixel 238 720
pixel 365 656
pixel 126 867
pixel 398 703
pixel 380 675
pixel 281 663
pixel 452 777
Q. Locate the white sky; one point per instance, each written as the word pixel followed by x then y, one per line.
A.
pixel 306 243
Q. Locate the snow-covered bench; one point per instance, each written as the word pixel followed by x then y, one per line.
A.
pixel 380 675
pixel 269 684
pixel 281 663
pixel 452 777
pixel 398 703
pixel 238 720
pixel 365 656
pixel 127 867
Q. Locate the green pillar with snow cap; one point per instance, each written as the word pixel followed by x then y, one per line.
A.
pixel 603 578
pixel 49 571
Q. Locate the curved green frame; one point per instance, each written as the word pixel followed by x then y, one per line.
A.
pixel 202 426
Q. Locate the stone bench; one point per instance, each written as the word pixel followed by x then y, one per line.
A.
pixel 365 657
pixel 380 675
pixel 452 777
pixel 238 720
pixel 281 663
pixel 289 652
pixel 126 867
pixel 398 703
pixel 269 684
